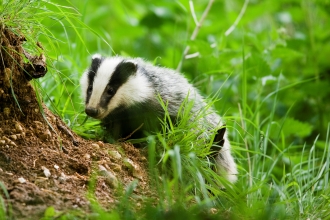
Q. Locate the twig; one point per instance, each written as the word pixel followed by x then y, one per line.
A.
pixel 193 14
pixel 68 132
pixel 239 17
pixel 34 163
pixel 195 32
pixel 125 138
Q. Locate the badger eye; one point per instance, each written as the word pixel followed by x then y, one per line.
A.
pixel 89 89
pixel 110 90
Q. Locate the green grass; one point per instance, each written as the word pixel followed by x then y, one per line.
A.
pixel 272 71
pixel 5 210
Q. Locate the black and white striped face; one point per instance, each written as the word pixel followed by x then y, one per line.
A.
pixel 112 83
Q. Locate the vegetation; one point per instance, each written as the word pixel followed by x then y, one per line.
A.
pixel 268 59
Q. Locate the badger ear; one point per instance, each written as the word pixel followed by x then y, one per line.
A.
pixel 123 71
pixel 96 56
pixel 96 61
pixel 129 66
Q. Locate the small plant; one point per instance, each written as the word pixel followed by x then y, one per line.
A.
pixel 5 208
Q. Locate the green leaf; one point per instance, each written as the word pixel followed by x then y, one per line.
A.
pixel 287 53
pixel 294 127
pixel 257 66
pixel 49 213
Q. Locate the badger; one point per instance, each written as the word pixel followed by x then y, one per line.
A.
pixel 126 94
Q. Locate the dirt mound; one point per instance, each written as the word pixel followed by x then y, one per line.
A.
pixel 43 163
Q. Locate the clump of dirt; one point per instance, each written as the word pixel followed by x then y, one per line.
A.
pixel 43 163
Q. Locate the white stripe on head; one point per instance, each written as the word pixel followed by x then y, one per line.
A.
pixel 102 78
pixel 84 85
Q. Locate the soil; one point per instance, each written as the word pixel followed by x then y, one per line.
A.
pixel 42 162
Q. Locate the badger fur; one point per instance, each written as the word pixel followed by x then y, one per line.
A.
pixel 124 94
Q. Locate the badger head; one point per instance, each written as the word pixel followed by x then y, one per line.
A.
pixel 112 83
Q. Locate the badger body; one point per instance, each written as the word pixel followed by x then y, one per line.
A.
pixel 125 93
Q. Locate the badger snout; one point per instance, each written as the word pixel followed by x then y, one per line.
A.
pixel 93 112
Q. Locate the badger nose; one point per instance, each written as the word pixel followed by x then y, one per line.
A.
pixel 93 112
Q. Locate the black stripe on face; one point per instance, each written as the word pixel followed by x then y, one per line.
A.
pixel 96 62
pixel 123 71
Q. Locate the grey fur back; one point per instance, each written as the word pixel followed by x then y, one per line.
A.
pixel 174 89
